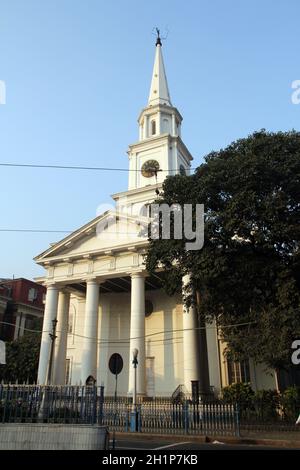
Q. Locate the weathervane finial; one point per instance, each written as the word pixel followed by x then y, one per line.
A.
pixel 158 39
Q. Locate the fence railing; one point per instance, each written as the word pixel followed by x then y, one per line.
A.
pixel 63 404
pixel 191 418
pixel 87 405
pixel 164 416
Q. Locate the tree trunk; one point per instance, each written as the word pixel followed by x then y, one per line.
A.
pixel 204 384
pixel 277 380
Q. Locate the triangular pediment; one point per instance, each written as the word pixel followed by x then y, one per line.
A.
pixel 107 232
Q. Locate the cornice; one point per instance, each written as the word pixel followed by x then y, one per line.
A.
pixel 150 140
pixel 149 110
pixel 99 253
pixel 142 189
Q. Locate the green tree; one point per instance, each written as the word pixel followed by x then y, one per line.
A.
pixel 248 272
pixel 22 358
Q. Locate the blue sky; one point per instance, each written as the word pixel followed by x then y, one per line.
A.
pixel 77 74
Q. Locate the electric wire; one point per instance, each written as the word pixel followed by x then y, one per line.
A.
pixel 127 340
pixel 86 168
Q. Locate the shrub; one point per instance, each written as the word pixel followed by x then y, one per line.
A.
pixel 64 414
pixel 290 401
pixel 240 393
pixel 267 403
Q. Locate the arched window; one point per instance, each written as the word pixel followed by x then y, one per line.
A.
pixel 153 127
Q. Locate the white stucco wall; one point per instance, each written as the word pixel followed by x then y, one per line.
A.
pixel 213 357
pixel 164 345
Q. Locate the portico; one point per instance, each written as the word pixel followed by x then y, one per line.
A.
pixel 94 292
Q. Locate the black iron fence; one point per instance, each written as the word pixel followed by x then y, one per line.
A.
pixel 87 405
pixel 164 416
pixel 51 404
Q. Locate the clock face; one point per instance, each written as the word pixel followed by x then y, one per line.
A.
pixel 150 168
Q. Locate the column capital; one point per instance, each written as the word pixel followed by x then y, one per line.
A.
pixel 51 285
pixel 135 274
pixel 93 280
pixel 65 291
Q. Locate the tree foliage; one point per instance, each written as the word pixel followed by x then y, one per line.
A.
pixel 22 358
pixel 248 272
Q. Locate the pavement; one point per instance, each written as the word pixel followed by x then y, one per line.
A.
pixel 140 441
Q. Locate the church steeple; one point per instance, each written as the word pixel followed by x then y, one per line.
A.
pixel 159 90
pixel 159 151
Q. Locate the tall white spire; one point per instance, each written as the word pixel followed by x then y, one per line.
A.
pixel 159 90
pixel 159 145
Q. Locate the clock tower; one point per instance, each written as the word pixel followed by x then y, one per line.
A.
pixel 159 151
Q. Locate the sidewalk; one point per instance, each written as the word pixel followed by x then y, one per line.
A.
pixel 285 439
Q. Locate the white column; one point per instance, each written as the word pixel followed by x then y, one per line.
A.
pixel 146 127
pixel 89 350
pixel 179 130
pixel 140 132
pixel 173 125
pixel 103 346
pixel 137 333
pixel 49 315
pixel 61 338
pixel 158 123
pixel 191 352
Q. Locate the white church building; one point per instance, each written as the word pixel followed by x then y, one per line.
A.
pixel 104 300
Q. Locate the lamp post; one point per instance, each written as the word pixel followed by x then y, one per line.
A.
pixel 134 413
pixel 53 338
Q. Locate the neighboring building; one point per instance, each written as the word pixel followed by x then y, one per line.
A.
pixel 21 307
pixel 105 301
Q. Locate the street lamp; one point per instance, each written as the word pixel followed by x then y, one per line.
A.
pixel 134 414
pixel 50 364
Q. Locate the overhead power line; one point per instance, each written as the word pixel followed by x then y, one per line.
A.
pixel 127 340
pixel 24 230
pixel 34 230
pixel 72 167
pixel 64 167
